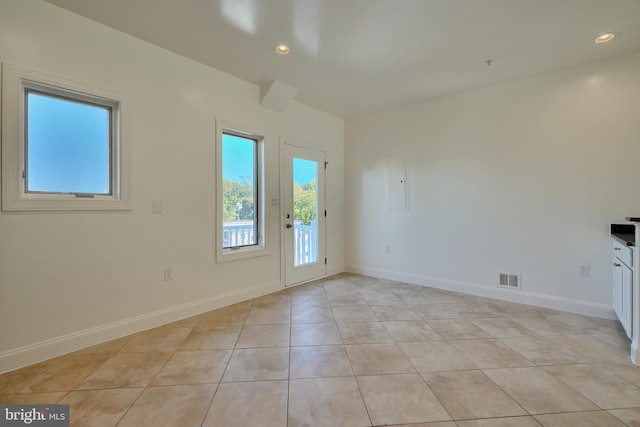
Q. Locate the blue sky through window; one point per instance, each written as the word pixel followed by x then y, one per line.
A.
pixel 304 171
pixel 238 163
pixel 68 146
pixel 238 158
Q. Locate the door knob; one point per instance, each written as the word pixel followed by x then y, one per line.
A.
pixel 289 225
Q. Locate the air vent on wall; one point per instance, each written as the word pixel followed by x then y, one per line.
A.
pixel 511 281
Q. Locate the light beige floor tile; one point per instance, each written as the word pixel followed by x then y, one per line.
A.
pixel 330 402
pixel 139 370
pixel 435 356
pixel 268 316
pixel 59 374
pixel 470 394
pixel 539 392
pixel 158 339
pixel 490 354
pixel 108 377
pixel 618 340
pixel 579 419
pixel 411 331
pixel 109 347
pixel 545 325
pixel 339 287
pixel 346 300
pixel 315 334
pixel 354 314
pixel 372 288
pixel 315 286
pixel 598 385
pixel 434 311
pixel 501 327
pixel 541 351
pixel 394 312
pixel 378 359
pixel 591 348
pixel 32 398
pixel 630 416
pixel 512 309
pixel 450 297
pixel 304 314
pixel 264 336
pixel 364 333
pixel 525 310
pixel 625 370
pixel 589 325
pixel 258 403
pixel 501 422
pixel 179 405
pixel 319 361
pixel 457 329
pixel 381 299
pixel 210 337
pixel 400 288
pixel 193 367
pixel 188 322
pixel 394 399
pixel 473 310
pixel 436 424
pixel 99 407
pixel 418 299
pixel 277 300
pixel 360 279
pixel 232 315
pixel 319 300
pixel 257 364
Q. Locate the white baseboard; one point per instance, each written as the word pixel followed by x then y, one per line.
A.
pixel 523 297
pixel 635 353
pixel 38 352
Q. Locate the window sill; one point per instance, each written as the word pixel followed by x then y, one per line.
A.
pixel 225 255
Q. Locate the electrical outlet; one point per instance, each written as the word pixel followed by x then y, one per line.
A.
pixel 168 274
pixel 584 270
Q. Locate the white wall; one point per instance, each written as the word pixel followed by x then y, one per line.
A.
pixel 522 177
pixel 73 279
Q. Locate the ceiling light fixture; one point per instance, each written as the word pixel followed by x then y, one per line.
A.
pixel 603 38
pixel 282 49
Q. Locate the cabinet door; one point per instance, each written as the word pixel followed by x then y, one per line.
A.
pixel 617 288
pixel 627 299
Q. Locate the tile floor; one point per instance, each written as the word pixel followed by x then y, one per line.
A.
pixel 350 351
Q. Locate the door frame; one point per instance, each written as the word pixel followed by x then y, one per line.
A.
pixel 282 211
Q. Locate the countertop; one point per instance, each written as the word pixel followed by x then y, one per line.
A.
pixel 624 233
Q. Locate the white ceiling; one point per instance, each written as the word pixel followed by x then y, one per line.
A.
pixel 355 56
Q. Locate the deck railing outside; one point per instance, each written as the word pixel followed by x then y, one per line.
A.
pixel 305 239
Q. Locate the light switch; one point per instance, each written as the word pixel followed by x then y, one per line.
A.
pixel 157 207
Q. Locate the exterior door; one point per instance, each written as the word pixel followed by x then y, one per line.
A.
pixel 303 214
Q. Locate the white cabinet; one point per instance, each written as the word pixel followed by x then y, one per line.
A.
pixel 623 285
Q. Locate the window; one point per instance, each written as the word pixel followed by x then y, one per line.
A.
pixel 240 194
pixel 62 145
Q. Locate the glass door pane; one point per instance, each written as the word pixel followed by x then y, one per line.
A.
pixel 305 211
pixel 303 214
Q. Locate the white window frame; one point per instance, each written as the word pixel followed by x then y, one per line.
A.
pixel 15 83
pixel 243 252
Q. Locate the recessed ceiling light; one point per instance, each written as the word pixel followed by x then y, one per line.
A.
pixel 282 49
pixel 603 38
